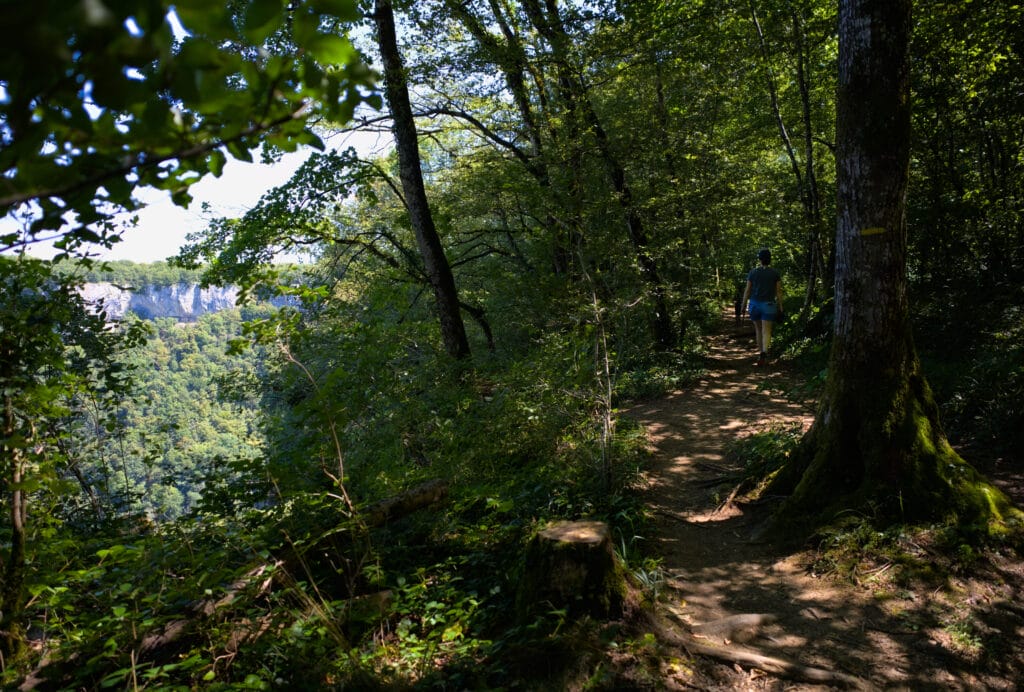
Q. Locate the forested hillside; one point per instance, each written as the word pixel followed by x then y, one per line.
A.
pixel 187 416
pixel 187 419
pixel 344 492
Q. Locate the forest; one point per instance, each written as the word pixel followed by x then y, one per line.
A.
pixel 346 492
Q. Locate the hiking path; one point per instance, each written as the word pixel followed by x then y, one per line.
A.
pixel 725 589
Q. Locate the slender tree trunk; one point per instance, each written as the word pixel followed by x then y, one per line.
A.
pixel 679 211
pixel 435 263
pixel 812 200
pixel 12 601
pixel 773 94
pixel 806 179
pixel 877 442
pixel 548 23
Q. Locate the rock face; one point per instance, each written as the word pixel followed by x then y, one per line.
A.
pixel 183 302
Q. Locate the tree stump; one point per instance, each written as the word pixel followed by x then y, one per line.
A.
pixel 570 565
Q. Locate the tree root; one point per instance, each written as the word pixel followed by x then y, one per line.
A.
pixel 775 666
pixel 730 628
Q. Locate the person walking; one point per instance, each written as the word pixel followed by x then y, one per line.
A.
pixel 764 291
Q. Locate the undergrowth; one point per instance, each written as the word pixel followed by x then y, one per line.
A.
pixel 297 594
pixel 765 452
pixel 980 384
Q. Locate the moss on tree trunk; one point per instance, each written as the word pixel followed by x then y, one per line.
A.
pixel 878 447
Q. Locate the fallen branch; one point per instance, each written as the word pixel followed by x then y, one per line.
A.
pixel 175 629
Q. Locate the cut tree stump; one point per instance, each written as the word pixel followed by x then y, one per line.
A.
pixel 570 565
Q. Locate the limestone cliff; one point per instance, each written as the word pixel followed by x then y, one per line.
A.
pixel 184 302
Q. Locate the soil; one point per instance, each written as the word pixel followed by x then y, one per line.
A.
pixel 881 625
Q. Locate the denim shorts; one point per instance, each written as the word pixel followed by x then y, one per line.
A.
pixel 762 311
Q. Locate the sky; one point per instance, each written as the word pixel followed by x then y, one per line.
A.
pixel 162 225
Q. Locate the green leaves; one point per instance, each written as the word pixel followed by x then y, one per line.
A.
pixel 262 18
pixel 331 50
pixel 143 92
pixel 216 162
pixel 212 20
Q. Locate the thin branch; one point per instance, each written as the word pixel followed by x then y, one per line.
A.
pixel 484 130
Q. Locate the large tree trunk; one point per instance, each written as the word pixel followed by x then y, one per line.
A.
pixel 877 440
pixel 435 263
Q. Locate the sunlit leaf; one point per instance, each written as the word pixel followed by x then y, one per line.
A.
pixel 332 50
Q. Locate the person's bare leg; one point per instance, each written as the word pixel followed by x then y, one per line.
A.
pixel 766 335
pixel 757 332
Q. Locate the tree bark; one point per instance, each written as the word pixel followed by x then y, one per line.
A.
pixel 12 593
pixel 571 565
pixel 877 442
pixel 435 263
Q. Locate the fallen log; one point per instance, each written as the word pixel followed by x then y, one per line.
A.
pixel 405 503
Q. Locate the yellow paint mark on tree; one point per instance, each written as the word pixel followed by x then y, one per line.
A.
pixel 873 231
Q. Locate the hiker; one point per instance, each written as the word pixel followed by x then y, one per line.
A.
pixel 764 289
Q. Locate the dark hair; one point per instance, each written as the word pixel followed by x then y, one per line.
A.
pixel 765 255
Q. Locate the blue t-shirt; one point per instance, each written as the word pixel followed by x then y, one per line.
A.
pixel 762 284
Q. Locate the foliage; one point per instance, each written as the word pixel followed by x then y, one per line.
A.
pixel 965 220
pixel 101 98
pixel 980 398
pixel 54 356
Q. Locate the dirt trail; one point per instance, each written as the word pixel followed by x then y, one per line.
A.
pixel 891 637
